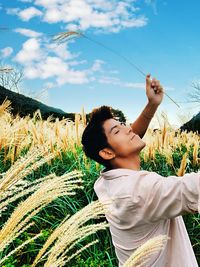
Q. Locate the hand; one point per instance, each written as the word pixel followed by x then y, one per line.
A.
pixel 154 90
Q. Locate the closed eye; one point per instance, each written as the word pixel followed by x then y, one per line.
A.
pixel 122 124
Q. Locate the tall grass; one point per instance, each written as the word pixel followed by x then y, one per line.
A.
pixel 33 153
pixel 141 255
pixel 41 192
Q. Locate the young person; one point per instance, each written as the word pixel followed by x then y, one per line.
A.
pixel 144 204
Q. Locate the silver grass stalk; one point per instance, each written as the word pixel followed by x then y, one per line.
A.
pixel 62 36
pixel 20 189
pixel 48 191
pixel 62 261
pixel 5 107
pixel 6 70
pixel 69 233
pixel 141 255
pixel 19 247
pixel 23 188
pixel 12 185
pixel 59 251
pixel 83 233
pixel 24 166
pixel 66 36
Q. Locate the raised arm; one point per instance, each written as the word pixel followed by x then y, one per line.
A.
pixel 154 92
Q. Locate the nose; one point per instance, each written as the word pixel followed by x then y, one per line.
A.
pixel 128 130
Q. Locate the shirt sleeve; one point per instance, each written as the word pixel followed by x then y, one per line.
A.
pixel 166 197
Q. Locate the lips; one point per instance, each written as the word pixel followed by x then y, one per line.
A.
pixel 133 136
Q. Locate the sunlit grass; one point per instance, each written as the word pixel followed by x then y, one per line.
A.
pixel 168 152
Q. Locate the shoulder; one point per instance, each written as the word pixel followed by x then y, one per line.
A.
pixel 123 182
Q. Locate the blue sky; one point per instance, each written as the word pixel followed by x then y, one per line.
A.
pixel 162 37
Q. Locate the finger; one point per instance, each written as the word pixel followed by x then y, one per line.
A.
pixel 153 82
pixel 155 90
pixel 148 80
pixel 157 83
pixel 158 90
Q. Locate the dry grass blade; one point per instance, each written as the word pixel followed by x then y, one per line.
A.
pixel 20 189
pixel 69 233
pixel 140 257
pixel 5 107
pixel 17 134
pixel 20 247
pixel 24 166
pixel 5 70
pixel 172 100
pixel 64 36
pixel 183 165
pixel 48 191
pixel 195 153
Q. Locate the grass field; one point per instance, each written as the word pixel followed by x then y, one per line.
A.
pixel 167 152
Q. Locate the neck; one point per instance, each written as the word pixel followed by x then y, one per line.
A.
pixel 132 163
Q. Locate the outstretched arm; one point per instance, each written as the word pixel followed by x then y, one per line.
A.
pixel 154 92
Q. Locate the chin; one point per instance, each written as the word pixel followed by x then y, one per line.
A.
pixel 143 145
pixel 140 147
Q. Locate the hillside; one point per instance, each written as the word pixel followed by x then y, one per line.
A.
pixel 24 105
pixel 192 125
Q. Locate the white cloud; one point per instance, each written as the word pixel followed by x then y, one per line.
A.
pixel 134 85
pixel 26 1
pixel 138 22
pixel 49 85
pixel 73 77
pixel 49 3
pixel 30 52
pixel 77 63
pixel 46 61
pixel 6 52
pixel 54 67
pixel 24 14
pixel 61 50
pixel 116 81
pixel 108 16
pixel 28 32
pixel 72 27
pixel 29 13
pixel 153 5
pixel 114 72
pixel 103 15
pixel 168 88
pixel 97 66
pixel 53 15
pixel 109 80
pixel 12 11
pixel 31 72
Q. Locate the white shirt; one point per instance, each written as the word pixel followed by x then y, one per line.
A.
pixel 144 205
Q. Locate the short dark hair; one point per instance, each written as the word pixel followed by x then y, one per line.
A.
pixel 94 138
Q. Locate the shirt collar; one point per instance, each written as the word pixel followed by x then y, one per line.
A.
pixel 116 173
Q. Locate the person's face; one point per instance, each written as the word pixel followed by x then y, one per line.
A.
pixel 122 139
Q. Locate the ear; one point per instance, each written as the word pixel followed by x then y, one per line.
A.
pixel 106 154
